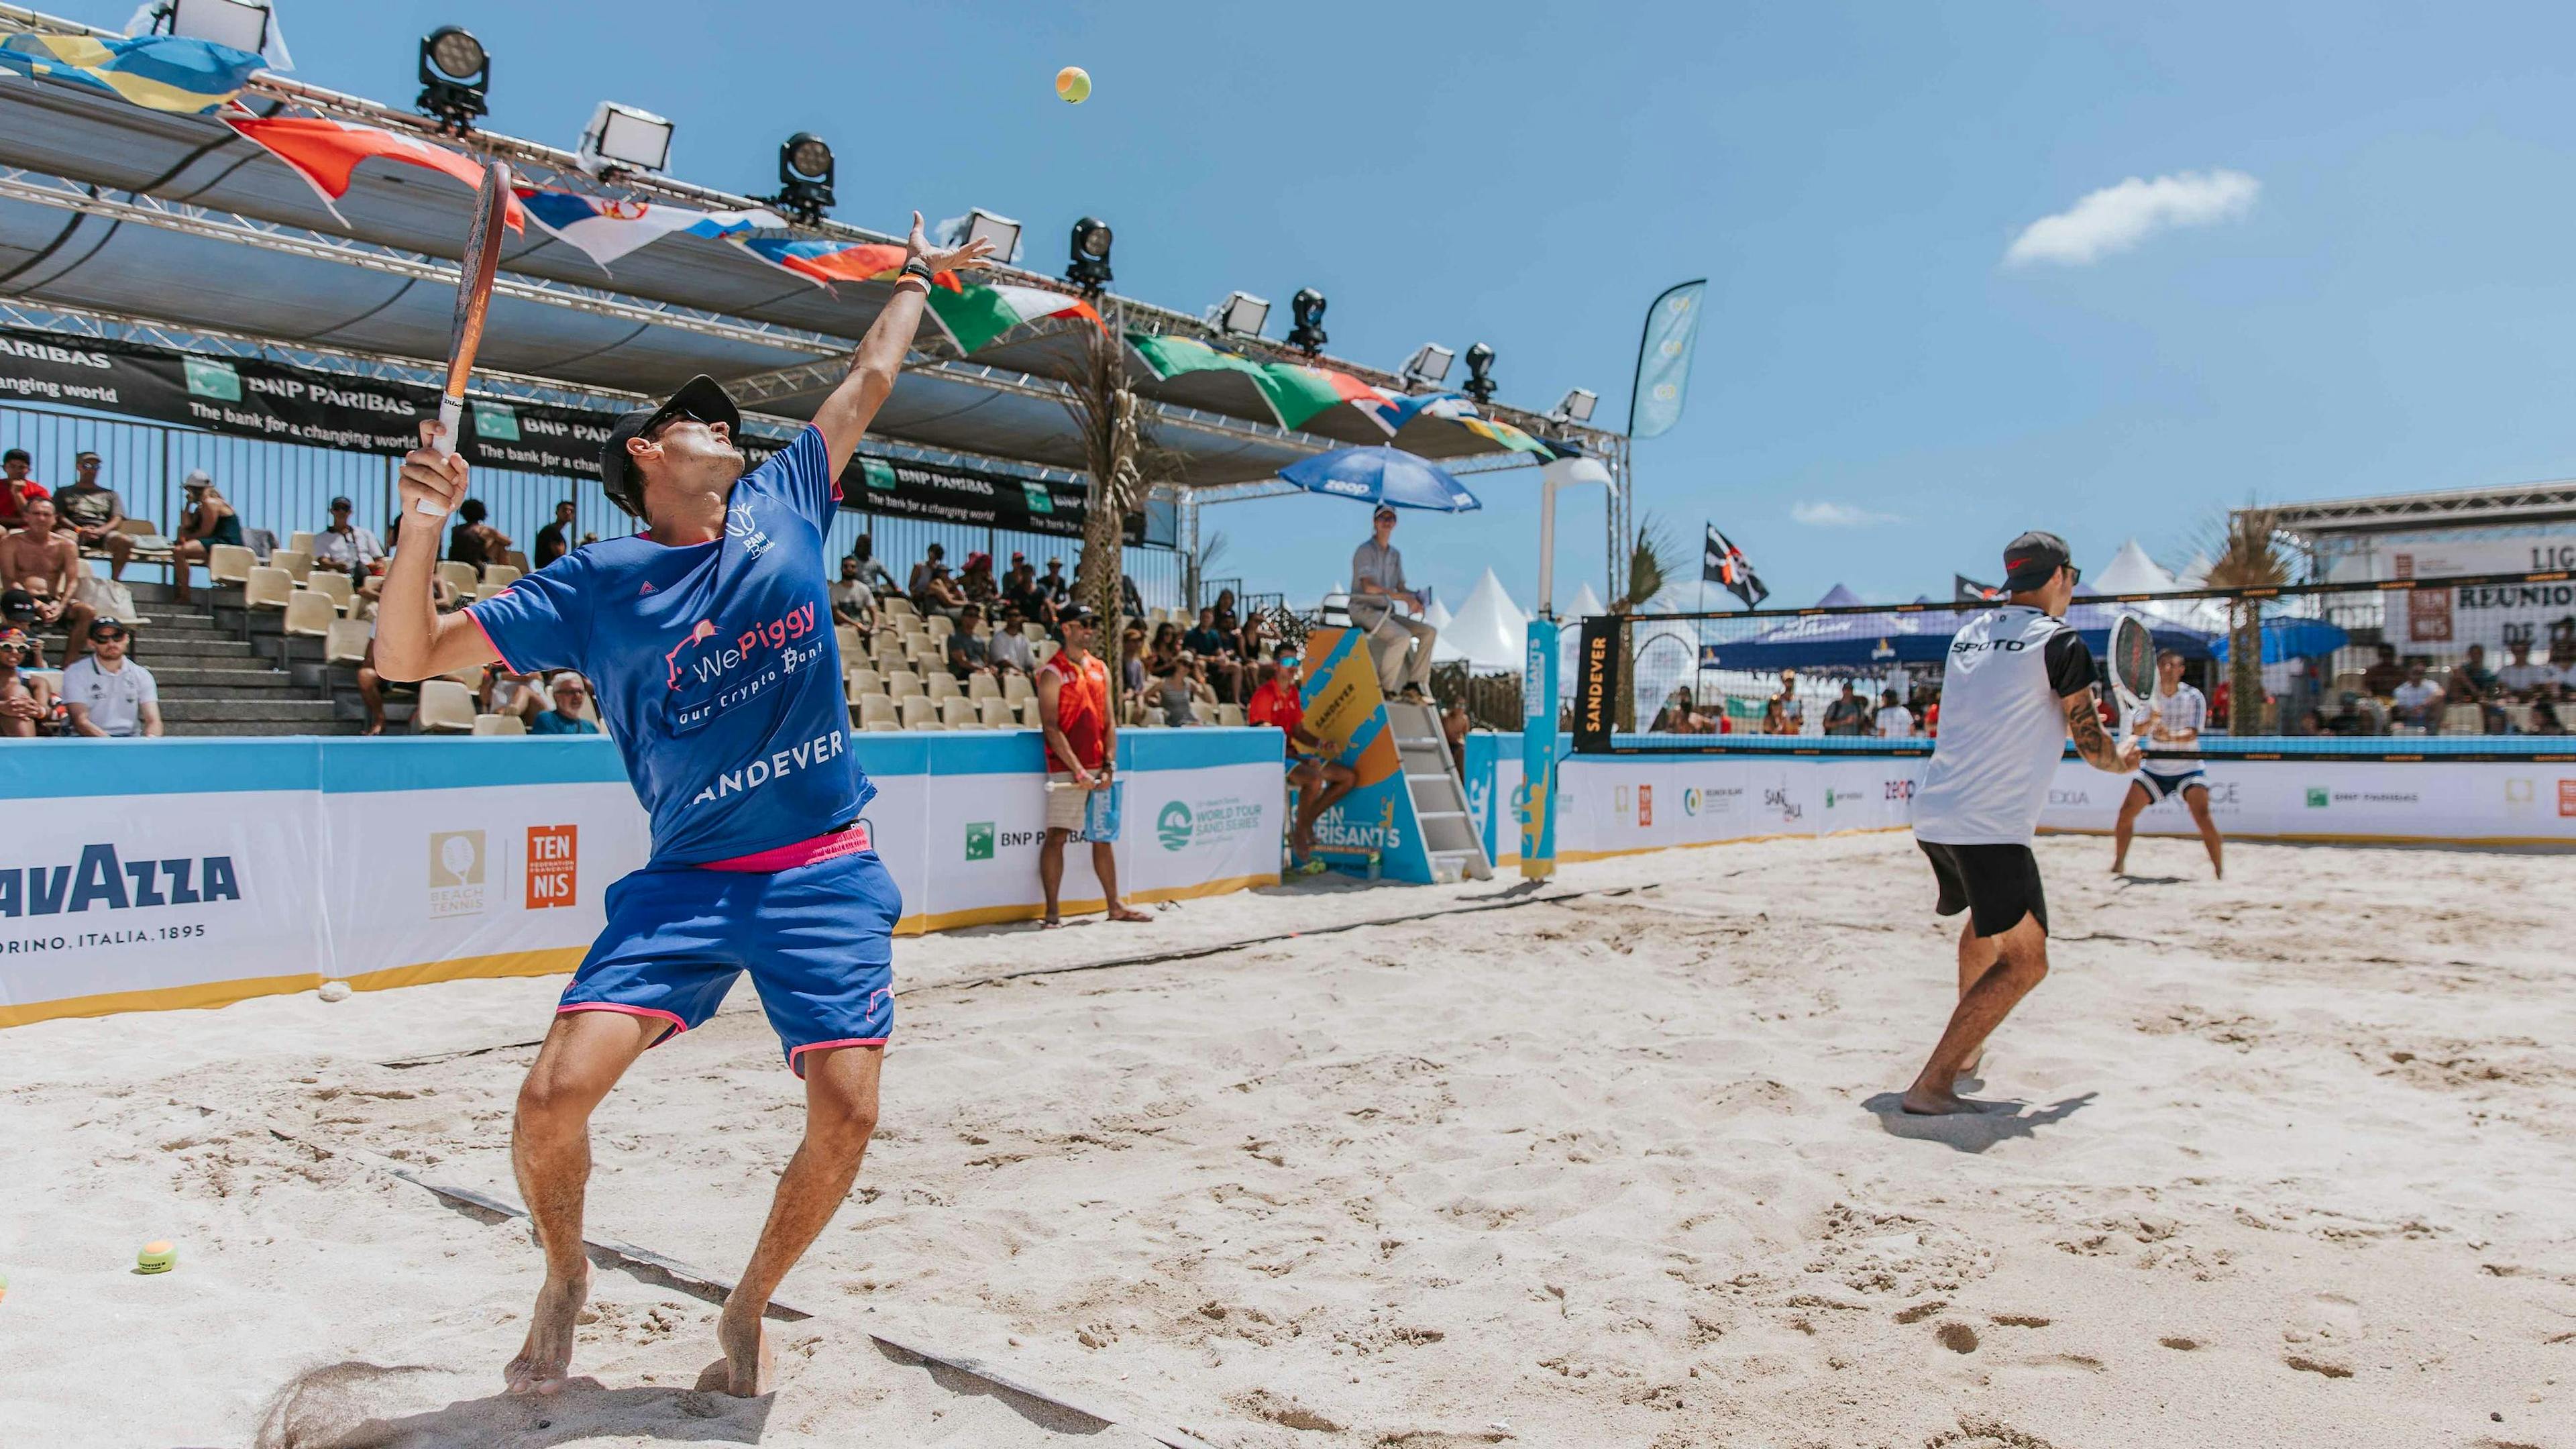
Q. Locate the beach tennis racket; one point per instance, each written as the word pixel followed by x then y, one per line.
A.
pixel 473 300
pixel 2133 668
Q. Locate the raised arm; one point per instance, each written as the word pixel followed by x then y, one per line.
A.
pixel 413 640
pixel 845 415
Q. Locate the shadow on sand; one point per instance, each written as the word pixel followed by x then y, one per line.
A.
pixel 1976 1131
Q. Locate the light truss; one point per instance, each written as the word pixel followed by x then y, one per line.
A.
pixel 2449 508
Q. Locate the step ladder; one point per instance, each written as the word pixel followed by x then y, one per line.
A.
pixel 1449 833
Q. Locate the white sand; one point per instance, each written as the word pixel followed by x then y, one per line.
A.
pixel 2296 1170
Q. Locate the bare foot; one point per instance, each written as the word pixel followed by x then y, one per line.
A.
pixel 546 1358
pixel 1127 913
pixel 1934 1102
pixel 2115 866
pixel 1050 923
pixel 745 1371
pixel 376 728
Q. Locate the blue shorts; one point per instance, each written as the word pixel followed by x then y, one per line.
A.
pixel 817 939
pixel 2161 788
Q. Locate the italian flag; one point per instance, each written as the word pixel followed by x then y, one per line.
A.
pixel 1295 392
pixel 974 316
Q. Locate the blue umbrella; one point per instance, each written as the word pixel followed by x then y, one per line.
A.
pixel 1381 475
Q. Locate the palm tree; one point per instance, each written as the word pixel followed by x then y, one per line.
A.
pixel 2249 556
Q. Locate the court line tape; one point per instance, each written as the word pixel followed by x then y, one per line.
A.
pixel 666 1271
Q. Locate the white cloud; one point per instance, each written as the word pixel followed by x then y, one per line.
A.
pixel 2117 218
pixel 1822 514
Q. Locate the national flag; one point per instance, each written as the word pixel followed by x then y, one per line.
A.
pixel 1296 393
pixel 326 154
pixel 1721 562
pixel 973 316
pixel 156 72
pixel 1965 590
pixel 607 228
pixel 826 262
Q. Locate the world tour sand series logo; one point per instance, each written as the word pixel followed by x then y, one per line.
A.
pixel 1172 827
pixel 1182 823
pixel 455 872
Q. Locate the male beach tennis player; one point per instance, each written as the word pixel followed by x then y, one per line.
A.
pixel 708 637
pixel 2172 717
pixel 2019 681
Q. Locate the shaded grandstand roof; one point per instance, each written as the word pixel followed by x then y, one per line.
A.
pixel 111 208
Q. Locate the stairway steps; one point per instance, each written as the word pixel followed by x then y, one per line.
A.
pixel 317 711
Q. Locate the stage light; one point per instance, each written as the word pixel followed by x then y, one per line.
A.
pixel 1480 373
pixel 805 176
pixel 455 75
pixel 1429 365
pixel 1308 308
pixel 1090 268
pixel 1578 405
pixel 622 138
pixel 241 24
pixel 1241 314
pixel 1001 231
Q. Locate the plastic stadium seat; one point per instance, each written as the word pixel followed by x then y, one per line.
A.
pixel 335 586
pixel 499 724
pixel 888 654
pixel 862 680
pixel 1044 649
pixel 1230 714
pixel 461 577
pixel 847 636
pixel 1016 687
pixel 919 713
pixel 469 675
pixel 1151 719
pixel 146 534
pixel 301 542
pixel 884 726
pixel 877 709
pixel 1033 632
pixel 1032 714
pixel 309 615
pixel 298 563
pixel 902 682
pixel 959 713
pixel 445 706
pixel 941 626
pixel 942 686
pixel 230 563
pixel 983 686
pixel 345 642
pixel 267 588
pixel 898 607
pixel 2464 719
pixel 497 577
pixel 997 714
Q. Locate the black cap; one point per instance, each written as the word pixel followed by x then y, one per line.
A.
pixel 342 502
pixel 1078 614
pixel 106 629
pixel 2033 559
pixel 698 398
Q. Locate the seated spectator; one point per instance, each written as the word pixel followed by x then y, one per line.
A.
pixel 1319 780
pixel 2418 700
pixel 1059 589
pixel 568 691
pixel 372 686
pixel 92 512
pixel 108 695
pixel 1164 651
pixel 1130 602
pixel 872 571
pixel 474 541
pixel 18 615
pixel 1927 713
pixel 1895 721
pixel 551 543
pixel 2562 657
pixel 346 548
pixel 853 602
pixel 1215 649
pixel 933 557
pixel 968 656
pixel 1675 717
pixel 976 581
pixel 16 487
pixel 2313 722
pixel 2471 680
pixel 42 565
pixel 940 594
pixel 2384 674
pixel 2544 718
pixel 1009 649
pixel 507 691
pixel 1176 695
pixel 1792 714
pixel 2522 678
pixel 1848 714
pixel 1775 718
pixel 1131 660
pixel 26 700
pixel 1025 595
pixel 1253 639
pixel 208 521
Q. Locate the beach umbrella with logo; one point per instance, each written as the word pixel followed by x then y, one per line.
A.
pixel 1381 475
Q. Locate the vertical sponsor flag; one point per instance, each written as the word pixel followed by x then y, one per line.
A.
pixel 1664 359
pixel 1721 562
pixel 606 228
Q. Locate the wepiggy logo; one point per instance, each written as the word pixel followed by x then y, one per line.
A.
pixel 1172 827
pixel 710 670
pixel 100 880
pixel 554 862
pixel 455 872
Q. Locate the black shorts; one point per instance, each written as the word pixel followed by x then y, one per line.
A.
pixel 1996 885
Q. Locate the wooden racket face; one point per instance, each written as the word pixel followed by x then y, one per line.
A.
pixel 474 282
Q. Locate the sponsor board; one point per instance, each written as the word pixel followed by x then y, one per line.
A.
pixel 554 867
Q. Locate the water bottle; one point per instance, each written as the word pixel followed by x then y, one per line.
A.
pixel 1374 858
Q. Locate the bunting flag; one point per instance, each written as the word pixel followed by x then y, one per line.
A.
pixel 973 316
pixel 1295 392
pixel 607 229
pixel 326 154
pixel 157 72
pixel 826 262
pixel 1965 590
pixel 1451 407
pixel 1721 562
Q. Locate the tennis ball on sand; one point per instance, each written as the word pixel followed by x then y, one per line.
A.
pixel 1073 85
pixel 156 1257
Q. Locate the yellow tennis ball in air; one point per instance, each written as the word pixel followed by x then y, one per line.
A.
pixel 158 1257
pixel 1073 85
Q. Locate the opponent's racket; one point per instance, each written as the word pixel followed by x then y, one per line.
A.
pixel 473 298
pixel 2133 669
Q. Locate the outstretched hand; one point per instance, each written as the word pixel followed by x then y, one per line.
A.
pixel 974 254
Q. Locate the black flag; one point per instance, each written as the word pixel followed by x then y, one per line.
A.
pixel 1722 562
pixel 1966 590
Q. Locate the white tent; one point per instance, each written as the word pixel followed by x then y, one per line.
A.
pixel 1586 604
pixel 1439 617
pixel 1489 630
pixel 2132 572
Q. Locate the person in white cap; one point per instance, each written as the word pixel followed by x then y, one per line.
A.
pixel 210 520
pixel 1377 586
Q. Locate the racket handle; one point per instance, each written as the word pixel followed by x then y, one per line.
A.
pixel 451 416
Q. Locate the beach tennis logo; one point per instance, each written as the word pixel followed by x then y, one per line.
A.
pixel 1172 827
pixel 554 859
pixel 455 872
pixel 979 840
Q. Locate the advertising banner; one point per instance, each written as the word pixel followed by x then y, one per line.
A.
pixel 2496 615
pixel 1346 710
pixel 1534 807
pixel 2481 802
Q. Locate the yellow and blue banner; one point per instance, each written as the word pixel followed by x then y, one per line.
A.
pixel 1346 710
pixel 157 72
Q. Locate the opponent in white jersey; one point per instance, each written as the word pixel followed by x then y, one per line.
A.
pixel 2170 720
pixel 2018 682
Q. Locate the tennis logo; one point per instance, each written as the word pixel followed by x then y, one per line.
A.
pixel 554 858
pixel 2567 797
pixel 455 872
pixel 1173 826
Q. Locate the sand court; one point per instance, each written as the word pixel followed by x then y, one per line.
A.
pixel 2291 1167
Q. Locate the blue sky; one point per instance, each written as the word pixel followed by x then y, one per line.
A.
pixel 2372 299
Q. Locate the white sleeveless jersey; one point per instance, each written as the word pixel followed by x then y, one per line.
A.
pixel 2003 727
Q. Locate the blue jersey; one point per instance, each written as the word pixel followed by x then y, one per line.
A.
pixel 715 664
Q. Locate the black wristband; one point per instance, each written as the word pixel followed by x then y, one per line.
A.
pixel 916 267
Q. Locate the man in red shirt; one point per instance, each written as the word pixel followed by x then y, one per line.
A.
pixel 16 487
pixel 1320 781
pixel 1081 756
